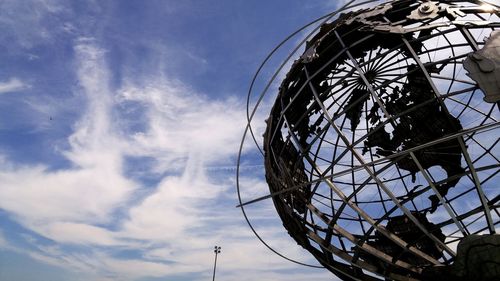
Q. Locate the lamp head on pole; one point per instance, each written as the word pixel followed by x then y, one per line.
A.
pixel 217 249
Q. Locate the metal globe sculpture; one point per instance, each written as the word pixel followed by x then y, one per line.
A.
pixel 381 149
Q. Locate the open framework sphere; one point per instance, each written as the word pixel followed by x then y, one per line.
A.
pixel 381 149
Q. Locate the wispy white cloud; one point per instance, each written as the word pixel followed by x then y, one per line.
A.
pixel 79 233
pixel 28 30
pixel 94 186
pixel 13 85
pixel 92 203
pixel 182 123
pixel 178 219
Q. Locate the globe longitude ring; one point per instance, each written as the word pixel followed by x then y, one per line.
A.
pixel 381 148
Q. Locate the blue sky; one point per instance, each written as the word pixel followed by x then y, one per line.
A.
pixel 120 122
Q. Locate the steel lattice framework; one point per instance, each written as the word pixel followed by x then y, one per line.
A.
pixel 381 149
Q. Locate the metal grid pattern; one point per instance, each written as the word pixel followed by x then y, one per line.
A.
pixel 381 152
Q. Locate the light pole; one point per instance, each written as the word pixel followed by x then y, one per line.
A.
pixel 216 251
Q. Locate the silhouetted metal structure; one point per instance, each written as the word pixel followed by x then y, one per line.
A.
pixel 381 149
